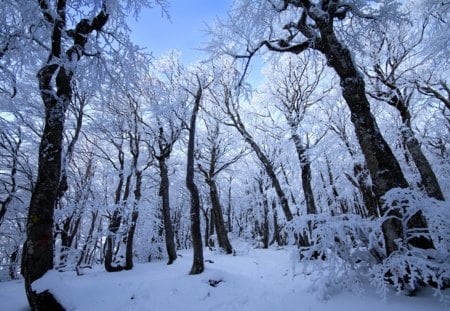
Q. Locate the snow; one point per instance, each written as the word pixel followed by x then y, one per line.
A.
pixel 254 279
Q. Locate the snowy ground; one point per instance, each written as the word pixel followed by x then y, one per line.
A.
pixel 251 280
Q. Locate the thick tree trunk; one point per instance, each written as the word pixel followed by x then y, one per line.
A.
pixel 221 231
pixel 164 193
pixel 56 92
pixel 198 265
pixel 38 248
pixel 381 163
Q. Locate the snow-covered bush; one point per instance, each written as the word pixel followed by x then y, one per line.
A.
pixel 345 250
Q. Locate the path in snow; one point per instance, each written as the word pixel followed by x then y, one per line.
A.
pixel 253 280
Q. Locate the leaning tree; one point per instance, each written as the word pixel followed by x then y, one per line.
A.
pixel 295 26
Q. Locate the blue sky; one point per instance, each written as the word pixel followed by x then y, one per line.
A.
pixel 184 32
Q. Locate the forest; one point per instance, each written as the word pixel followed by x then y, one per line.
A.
pixel 111 157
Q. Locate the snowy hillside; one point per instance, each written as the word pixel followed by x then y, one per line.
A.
pixel 254 279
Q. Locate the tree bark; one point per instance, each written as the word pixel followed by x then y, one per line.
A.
pixel 198 265
pixel 134 214
pixel 305 166
pixel 38 248
pixel 164 193
pixel 88 241
pixel 381 163
pixel 265 206
pixel 56 92
pixel 114 222
pixel 429 180
pixel 222 234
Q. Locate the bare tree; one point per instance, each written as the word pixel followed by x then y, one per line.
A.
pixel 394 58
pixel 214 158
pixel 296 88
pixel 228 100
pixel 311 25
pixel 165 145
pixel 198 265
pixel 55 79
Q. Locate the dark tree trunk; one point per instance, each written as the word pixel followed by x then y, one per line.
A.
pixel 222 234
pixel 362 177
pixel 110 243
pixel 229 211
pixel 400 100
pixel 130 239
pixel 276 228
pixel 381 163
pixel 164 193
pixel 56 92
pixel 15 146
pixel 89 238
pixel 198 264
pixel 38 248
pixel 113 241
pixel 13 261
pixel 134 217
pixel 305 166
pixel 383 167
pixel 114 224
pixel 68 232
pixel 265 206
pixel 209 227
pixel 429 180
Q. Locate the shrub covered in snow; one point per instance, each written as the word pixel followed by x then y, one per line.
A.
pixel 348 249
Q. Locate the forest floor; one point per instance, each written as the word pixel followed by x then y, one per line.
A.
pixel 253 279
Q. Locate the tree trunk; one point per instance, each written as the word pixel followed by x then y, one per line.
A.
pixel 305 166
pixel 69 231
pixel 276 228
pixel 198 265
pixel 130 239
pixel 221 231
pixel 113 242
pixel 209 227
pixel 56 93
pixel 110 243
pixel 88 241
pixel 362 177
pixel 229 210
pixel 164 193
pixel 381 163
pixel 265 205
pixel 429 180
pixel 38 248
